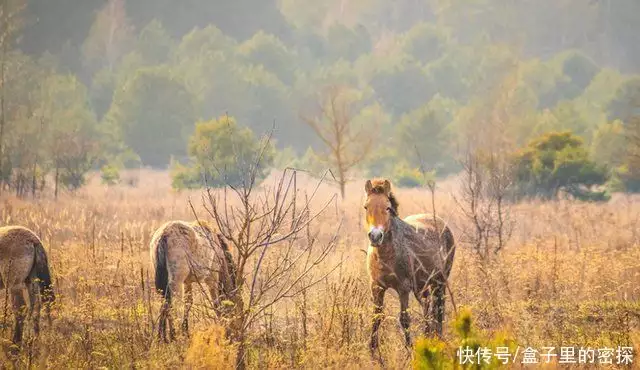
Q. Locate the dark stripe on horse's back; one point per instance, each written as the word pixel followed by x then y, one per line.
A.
pixel 162 270
pixel 40 270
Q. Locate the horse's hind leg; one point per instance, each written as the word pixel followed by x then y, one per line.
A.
pixel 188 302
pixel 424 297
pixel 19 306
pixel 164 317
pixel 405 320
pixel 437 306
pixel 175 286
pixel 162 322
pixel 425 302
pixel 34 307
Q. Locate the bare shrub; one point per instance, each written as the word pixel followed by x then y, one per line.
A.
pixel 276 248
pixel 483 200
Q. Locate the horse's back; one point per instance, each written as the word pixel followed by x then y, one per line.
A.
pixel 435 232
pixel 17 253
pixel 179 238
pixel 427 223
pixel 186 251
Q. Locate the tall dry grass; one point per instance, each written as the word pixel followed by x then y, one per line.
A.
pixel 569 275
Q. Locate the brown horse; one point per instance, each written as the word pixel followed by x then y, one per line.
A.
pixel 184 253
pixel 24 266
pixel 413 255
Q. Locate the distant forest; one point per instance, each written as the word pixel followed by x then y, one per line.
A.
pixel 111 84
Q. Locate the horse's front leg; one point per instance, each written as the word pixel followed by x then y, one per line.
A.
pixel 377 293
pixel 405 320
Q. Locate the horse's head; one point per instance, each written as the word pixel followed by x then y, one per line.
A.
pixel 380 206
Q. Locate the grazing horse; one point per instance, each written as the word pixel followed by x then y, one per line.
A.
pixel 413 255
pixel 24 265
pixel 184 253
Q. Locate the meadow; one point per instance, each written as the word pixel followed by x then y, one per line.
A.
pixel 568 275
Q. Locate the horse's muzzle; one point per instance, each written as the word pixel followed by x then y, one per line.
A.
pixel 376 236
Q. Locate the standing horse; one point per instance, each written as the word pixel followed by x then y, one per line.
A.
pixel 184 253
pixel 413 255
pixel 24 265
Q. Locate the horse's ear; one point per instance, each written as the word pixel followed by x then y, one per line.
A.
pixel 387 187
pixel 368 187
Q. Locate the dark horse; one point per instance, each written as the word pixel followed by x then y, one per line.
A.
pixel 24 266
pixel 411 255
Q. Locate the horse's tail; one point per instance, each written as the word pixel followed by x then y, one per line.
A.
pixel 450 249
pixel 40 271
pixel 162 269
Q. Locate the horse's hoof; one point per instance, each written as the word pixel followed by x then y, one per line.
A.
pixel 14 350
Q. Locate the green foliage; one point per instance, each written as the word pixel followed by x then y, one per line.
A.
pixel 626 103
pixel 102 87
pixel 73 135
pixel 403 87
pixel 312 163
pixel 407 177
pixel 608 146
pixel 576 71
pixel 347 43
pixel 199 41
pixel 464 72
pixel 285 158
pixel 305 13
pixel 154 44
pixel 110 174
pixel 563 78
pixel 625 179
pixel 381 163
pixel 433 353
pixel 424 138
pixel 184 177
pixel 425 42
pixel 106 80
pixel 570 119
pixel 269 51
pixel 110 37
pixel 223 153
pixel 554 162
pixel 154 114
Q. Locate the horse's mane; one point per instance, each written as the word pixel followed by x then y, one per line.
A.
pixel 205 225
pixel 209 227
pixel 378 188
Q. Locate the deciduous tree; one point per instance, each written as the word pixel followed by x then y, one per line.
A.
pixel 347 141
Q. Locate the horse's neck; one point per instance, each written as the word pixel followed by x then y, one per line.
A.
pixel 397 227
pixel 400 233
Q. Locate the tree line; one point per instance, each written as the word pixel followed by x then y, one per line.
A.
pixel 357 87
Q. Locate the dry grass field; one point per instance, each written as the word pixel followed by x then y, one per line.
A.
pixel 568 275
